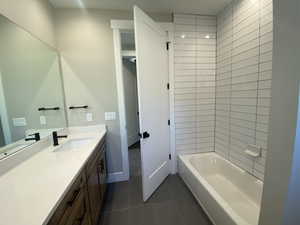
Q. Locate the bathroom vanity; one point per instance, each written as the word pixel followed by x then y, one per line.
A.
pixel 44 179
pixel 83 202
pixel 57 185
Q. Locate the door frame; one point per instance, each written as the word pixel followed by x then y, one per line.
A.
pixel 119 26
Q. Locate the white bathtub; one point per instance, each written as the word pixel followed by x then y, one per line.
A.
pixel 228 194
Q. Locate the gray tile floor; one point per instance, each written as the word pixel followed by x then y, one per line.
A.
pixel 172 203
pixel 134 160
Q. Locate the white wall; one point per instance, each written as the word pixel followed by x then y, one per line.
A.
pixel 85 41
pixel 36 16
pixel 243 86
pixel 131 101
pixel 285 94
pixel 194 83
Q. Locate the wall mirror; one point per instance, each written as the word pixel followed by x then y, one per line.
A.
pixel 31 89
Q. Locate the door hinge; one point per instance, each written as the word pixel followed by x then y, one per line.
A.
pixel 168 86
pixel 168 45
pixel 169 122
pixel 170 156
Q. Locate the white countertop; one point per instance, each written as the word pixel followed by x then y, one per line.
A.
pixel 30 192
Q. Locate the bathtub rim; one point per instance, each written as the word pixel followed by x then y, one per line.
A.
pixel 199 201
pixel 185 159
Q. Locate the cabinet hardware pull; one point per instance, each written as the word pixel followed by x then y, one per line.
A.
pixel 80 220
pixel 101 166
pixel 75 194
pixel 99 169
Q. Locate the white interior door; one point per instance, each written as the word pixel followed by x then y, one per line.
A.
pixel 152 77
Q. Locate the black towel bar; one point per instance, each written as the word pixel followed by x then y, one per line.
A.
pixel 48 109
pixel 79 107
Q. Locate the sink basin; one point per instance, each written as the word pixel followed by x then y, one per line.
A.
pixel 74 144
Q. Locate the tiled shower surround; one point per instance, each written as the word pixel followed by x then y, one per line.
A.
pixel 226 108
pixel 195 75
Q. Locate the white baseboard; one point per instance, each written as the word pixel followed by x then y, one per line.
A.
pixel 117 177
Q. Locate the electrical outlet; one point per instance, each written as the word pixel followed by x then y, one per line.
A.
pixel 110 116
pixel 19 122
pixel 89 117
pixel 43 120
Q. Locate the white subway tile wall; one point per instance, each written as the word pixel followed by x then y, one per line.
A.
pixel 243 81
pixel 195 79
pixel 223 73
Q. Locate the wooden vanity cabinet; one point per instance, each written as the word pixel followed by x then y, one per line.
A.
pixel 83 203
pixel 75 199
pixel 94 191
pixel 102 173
pixel 96 173
pixel 80 214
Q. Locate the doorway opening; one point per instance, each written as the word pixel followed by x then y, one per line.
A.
pixel 131 102
pixel 152 42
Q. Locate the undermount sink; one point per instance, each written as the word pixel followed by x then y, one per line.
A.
pixel 73 144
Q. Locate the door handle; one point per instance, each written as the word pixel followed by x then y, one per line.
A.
pixel 144 135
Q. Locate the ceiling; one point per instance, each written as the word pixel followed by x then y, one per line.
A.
pixel 204 7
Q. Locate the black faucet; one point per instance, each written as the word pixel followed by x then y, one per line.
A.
pixel 56 137
pixel 36 137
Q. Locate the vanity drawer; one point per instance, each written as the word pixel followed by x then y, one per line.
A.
pixel 67 205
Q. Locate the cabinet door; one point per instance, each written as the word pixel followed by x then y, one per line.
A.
pixel 102 173
pixel 85 221
pixel 94 193
pixel 80 214
pixel 74 197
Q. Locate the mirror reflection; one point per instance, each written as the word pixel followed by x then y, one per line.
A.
pixel 31 93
